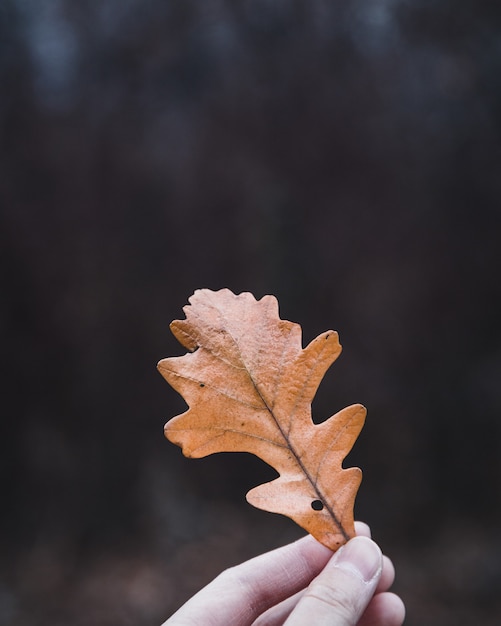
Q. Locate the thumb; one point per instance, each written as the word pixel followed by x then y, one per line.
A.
pixel 339 595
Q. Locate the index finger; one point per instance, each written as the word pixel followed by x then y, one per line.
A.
pixel 240 594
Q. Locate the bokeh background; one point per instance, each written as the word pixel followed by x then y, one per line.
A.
pixel 344 156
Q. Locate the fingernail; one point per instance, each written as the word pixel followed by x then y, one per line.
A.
pixel 360 556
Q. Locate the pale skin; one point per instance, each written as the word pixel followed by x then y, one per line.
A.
pixel 300 584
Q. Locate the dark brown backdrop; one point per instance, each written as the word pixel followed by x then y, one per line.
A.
pixel 342 156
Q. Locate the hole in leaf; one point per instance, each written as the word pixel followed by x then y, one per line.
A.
pixel 202 385
pixel 317 505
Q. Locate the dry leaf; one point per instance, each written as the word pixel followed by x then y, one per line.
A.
pixel 249 385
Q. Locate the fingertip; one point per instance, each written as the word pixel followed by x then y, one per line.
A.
pixel 385 608
pixel 397 609
pixel 362 529
pixel 387 575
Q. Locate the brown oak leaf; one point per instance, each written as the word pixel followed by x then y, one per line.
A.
pixel 249 385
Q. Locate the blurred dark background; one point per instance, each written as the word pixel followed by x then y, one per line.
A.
pixel 342 156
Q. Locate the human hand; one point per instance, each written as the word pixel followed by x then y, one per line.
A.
pixel 300 584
